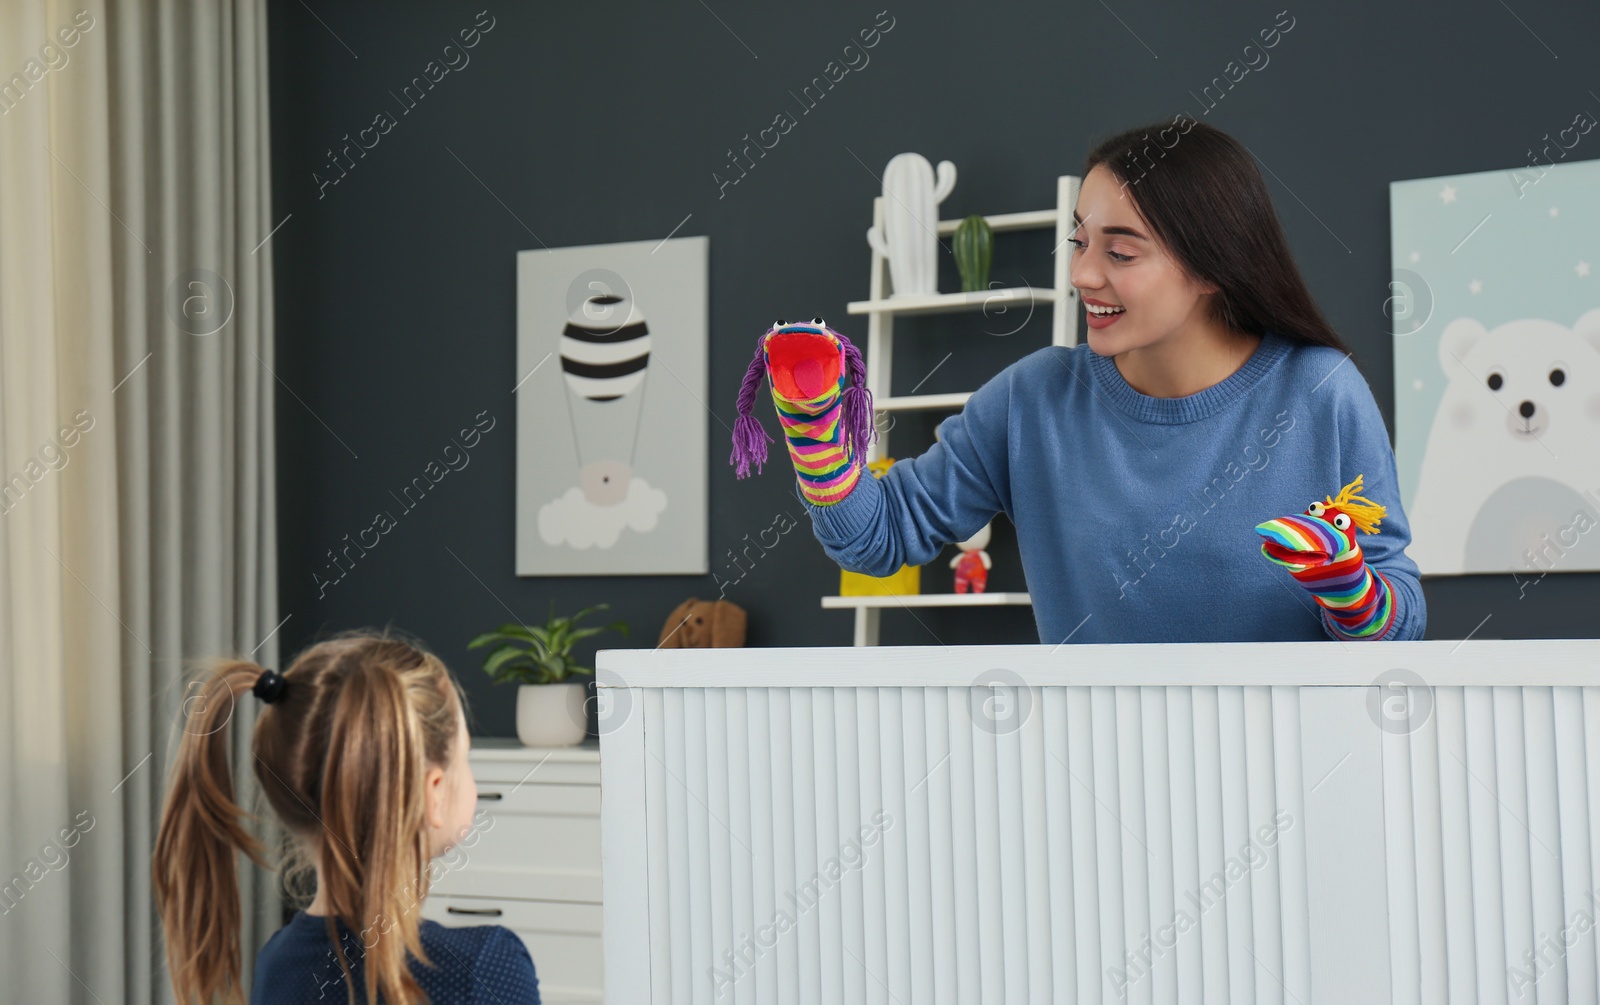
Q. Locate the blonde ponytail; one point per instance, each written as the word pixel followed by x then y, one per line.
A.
pixel 342 757
pixel 195 878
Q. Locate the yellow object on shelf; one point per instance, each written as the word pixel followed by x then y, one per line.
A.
pixel 907 580
pixel 855 584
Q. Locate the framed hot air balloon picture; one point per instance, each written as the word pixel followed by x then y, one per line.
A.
pixel 611 423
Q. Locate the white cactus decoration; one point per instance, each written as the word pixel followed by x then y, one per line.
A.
pixel 911 201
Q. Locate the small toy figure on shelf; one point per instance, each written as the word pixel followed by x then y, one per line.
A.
pixel 972 565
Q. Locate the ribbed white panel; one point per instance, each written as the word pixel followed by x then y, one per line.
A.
pixel 763 845
pixel 1591 766
pixel 780 871
pixel 723 841
pixel 1455 859
pixel 1544 834
pixel 741 850
pixel 852 832
pixel 936 790
pixel 1265 911
pixel 1109 832
pixel 1294 919
pixel 964 850
pixel 1153 733
pixel 1128 799
pixel 704 950
pixel 675 797
pixel 664 910
pixel 852 894
pixel 1432 961
pixel 1064 926
pixel 1083 836
pixel 1182 778
pixel 807 862
pixel 1490 830
pixel 1012 858
pixel 1235 812
pixel 830 909
pixel 1036 873
pixel 1511 793
pixel 1483 810
pixel 986 825
pixel 1113 844
pixel 917 834
pixel 1404 975
pixel 1577 867
pixel 1209 844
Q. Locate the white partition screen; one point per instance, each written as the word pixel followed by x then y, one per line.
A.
pixel 1286 823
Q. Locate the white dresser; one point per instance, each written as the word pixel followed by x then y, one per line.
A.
pixel 532 862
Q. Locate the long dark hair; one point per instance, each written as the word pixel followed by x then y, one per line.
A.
pixel 1199 190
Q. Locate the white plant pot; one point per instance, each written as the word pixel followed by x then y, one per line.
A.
pixel 552 715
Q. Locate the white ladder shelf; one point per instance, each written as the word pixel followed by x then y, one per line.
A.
pixel 881 309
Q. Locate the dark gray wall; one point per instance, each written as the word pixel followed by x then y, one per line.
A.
pixel 595 122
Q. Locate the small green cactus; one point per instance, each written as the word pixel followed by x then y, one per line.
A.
pixel 974 253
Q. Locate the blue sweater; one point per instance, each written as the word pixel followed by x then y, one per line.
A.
pixel 478 963
pixel 1136 515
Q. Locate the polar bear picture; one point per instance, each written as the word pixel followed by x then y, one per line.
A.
pixel 1510 479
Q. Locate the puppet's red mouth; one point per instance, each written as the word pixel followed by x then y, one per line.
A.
pixel 803 363
pixel 1283 554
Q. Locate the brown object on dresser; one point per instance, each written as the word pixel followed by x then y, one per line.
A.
pixel 703 624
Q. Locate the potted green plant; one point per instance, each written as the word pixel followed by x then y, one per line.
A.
pixel 551 708
pixel 974 250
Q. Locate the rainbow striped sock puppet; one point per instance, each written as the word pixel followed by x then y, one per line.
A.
pixel 827 425
pixel 1320 551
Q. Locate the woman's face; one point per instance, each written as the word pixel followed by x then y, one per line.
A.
pixel 1117 261
pixel 452 793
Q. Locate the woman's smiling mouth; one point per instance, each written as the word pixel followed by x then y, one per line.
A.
pixel 1100 314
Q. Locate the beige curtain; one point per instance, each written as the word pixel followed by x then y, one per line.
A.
pixel 136 448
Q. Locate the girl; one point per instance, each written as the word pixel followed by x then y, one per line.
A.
pixel 361 748
pixel 1143 467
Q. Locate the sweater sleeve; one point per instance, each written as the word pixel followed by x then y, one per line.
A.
pixel 1364 448
pixel 944 495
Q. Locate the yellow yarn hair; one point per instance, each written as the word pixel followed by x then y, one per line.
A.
pixel 1363 512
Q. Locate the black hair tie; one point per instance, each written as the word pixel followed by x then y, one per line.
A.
pixel 269 686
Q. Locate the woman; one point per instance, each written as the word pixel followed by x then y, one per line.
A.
pixel 1210 397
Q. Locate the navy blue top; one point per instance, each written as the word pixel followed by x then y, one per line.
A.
pixel 481 963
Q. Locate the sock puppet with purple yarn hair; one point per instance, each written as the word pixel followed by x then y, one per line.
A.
pixel 819 385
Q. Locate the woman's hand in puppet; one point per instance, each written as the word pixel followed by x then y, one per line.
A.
pixel 1319 549
pixel 827 420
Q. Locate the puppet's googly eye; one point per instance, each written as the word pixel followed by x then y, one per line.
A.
pixel 1316 509
pixel 781 322
pixel 817 321
pixel 1342 521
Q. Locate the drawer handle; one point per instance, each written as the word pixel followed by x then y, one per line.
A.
pixel 490 796
pixel 487 912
